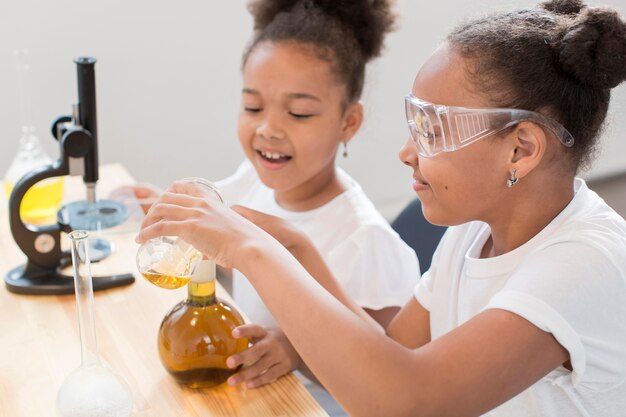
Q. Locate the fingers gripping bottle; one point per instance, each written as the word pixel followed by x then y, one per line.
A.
pixel 195 337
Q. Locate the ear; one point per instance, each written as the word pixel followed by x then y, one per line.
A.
pixel 529 148
pixel 352 119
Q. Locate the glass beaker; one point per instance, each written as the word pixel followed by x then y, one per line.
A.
pixel 169 262
pixel 93 389
pixel 195 337
pixel 41 203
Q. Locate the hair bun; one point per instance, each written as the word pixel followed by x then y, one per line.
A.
pixel 264 12
pixel 369 20
pixel 564 7
pixel 593 48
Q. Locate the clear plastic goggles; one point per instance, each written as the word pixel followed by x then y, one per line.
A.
pixel 437 128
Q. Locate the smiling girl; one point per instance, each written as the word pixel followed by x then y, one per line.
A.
pixel 303 74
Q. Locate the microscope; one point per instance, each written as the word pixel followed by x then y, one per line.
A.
pixel 78 140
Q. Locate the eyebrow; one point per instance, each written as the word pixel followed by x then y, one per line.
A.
pixel 290 95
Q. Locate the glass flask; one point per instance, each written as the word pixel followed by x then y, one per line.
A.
pixel 169 262
pixel 195 337
pixel 42 201
pixel 93 389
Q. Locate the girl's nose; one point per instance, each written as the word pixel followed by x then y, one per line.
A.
pixel 270 129
pixel 408 153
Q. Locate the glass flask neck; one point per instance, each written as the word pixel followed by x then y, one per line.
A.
pixel 29 143
pixel 201 294
pixel 29 135
pixel 22 65
pixel 84 297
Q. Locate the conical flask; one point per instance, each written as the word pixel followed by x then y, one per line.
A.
pixel 42 201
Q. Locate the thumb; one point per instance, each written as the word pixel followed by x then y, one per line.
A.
pixel 263 220
pixel 246 212
pixel 254 332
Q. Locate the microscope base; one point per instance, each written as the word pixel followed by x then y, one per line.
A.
pixel 35 280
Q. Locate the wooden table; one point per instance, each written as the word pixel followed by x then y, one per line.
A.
pixel 39 342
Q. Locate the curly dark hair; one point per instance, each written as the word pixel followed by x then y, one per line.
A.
pixel 345 33
pixel 561 58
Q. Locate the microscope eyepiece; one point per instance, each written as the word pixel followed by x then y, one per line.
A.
pixel 85 60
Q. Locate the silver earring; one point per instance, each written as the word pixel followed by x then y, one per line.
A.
pixel 513 180
pixel 345 150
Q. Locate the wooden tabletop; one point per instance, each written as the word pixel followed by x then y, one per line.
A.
pixel 39 341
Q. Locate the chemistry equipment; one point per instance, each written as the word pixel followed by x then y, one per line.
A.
pixel 169 262
pixel 93 389
pixel 195 337
pixel 42 201
pixel 78 140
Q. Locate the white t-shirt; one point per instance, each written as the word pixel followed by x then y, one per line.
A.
pixel 368 258
pixel 569 280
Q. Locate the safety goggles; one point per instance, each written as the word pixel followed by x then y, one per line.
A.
pixel 437 128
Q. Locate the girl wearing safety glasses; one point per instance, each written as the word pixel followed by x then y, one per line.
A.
pixel 522 312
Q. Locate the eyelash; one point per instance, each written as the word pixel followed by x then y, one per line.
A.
pixel 294 115
pixel 300 116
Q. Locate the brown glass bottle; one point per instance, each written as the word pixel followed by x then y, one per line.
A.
pixel 195 338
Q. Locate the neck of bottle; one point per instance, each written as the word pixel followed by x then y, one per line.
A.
pixel 201 294
pixel 201 288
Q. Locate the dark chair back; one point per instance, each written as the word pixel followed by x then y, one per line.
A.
pixel 415 230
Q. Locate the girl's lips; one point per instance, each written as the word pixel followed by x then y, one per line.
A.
pixel 419 185
pixel 272 164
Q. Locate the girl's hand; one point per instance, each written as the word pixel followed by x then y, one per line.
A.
pixel 270 357
pixel 186 211
pixel 284 232
pixel 145 194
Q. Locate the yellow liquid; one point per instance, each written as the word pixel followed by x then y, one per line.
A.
pixel 41 202
pixel 202 289
pixel 165 281
pixel 195 338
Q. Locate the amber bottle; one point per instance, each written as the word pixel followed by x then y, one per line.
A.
pixel 195 337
